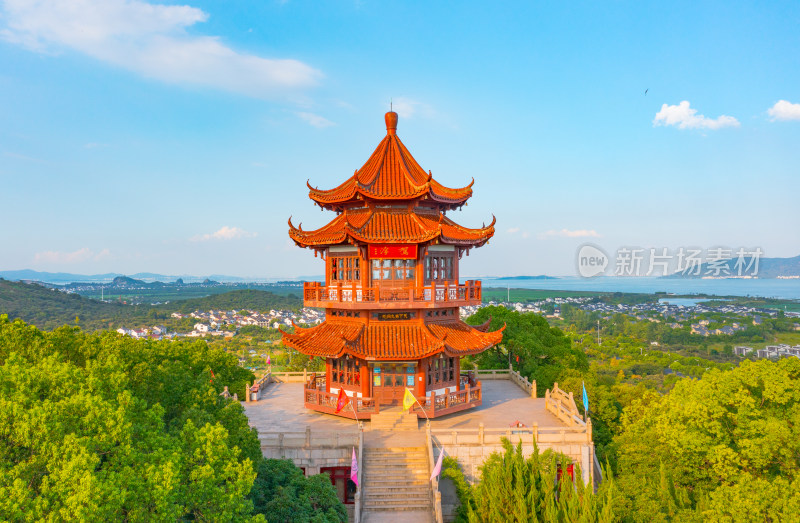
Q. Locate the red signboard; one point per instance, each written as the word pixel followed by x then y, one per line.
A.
pixel 394 251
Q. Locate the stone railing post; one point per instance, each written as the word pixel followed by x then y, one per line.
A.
pixel 247 392
pixel 533 388
pixel 536 432
pixel 308 436
pixel 480 433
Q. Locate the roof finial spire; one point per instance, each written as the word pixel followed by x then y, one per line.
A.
pixel 391 120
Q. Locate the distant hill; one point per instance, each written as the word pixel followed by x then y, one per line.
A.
pixel 66 277
pixel 121 281
pixel 56 277
pixel 49 308
pixel 767 268
pixel 241 299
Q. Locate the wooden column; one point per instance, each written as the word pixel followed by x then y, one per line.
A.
pixel 419 384
pixel 328 363
pixel 366 382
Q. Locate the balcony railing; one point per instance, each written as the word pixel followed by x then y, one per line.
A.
pixel 450 402
pixel 317 294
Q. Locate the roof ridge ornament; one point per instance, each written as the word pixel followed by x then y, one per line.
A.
pixel 391 122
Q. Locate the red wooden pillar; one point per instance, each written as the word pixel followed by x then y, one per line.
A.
pixel 419 379
pixel 365 380
pixel 328 364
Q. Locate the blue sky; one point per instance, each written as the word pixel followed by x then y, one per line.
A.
pixel 177 138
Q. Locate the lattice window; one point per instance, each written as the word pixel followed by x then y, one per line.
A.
pixel 345 372
pixel 438 268
pixel 345 268
pixel 392 270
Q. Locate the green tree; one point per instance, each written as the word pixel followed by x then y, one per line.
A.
pixel 543 351
pixel 100 427
pixel 726 447
pixel 283 494
pixel 515 489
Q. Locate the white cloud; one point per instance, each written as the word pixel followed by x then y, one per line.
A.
pixel 566 233
pixel 150 39
pixel 783 110
pixel 513 230
pixel 316 120
pixel 408 108
pixel 684 117
pixel 65 258
pixel 224 233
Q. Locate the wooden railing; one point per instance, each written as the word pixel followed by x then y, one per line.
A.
pixel 562 405
pixel 317 294
pixel 449 402
pixel 321 401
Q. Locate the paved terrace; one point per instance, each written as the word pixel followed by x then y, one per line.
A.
pixel 281 409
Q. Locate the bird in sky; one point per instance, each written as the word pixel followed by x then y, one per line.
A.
pixel 645 91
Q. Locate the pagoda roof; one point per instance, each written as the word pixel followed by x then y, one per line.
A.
pixel 391 225
pixel 390 174
pixel 391 340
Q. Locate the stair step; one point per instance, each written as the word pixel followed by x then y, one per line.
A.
pixel 396 472
pixel 418 493
pixel 396 502
pixel 394 461
pixel 416 479
pixel 411 508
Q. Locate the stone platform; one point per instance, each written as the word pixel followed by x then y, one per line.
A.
pixel 281 409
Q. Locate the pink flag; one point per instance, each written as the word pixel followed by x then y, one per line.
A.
pixel 354 468
pixel 438 468
pixel 269 362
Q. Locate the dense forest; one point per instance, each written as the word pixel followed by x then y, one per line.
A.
pixel 48 309
pixel 684 438
pixel 101 427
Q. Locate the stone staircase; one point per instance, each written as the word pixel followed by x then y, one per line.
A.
pixel 396 472
pixel 396 485
pixel 394 419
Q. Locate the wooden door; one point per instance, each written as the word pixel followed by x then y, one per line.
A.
pixel 389 381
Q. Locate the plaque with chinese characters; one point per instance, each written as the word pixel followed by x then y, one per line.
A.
pixel 393 251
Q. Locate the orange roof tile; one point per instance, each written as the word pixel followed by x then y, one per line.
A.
pixel 390 340
pixel 391 173
pixel 367 225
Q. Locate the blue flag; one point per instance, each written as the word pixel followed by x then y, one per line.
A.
pixel 585 399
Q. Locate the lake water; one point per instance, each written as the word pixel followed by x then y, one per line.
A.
pixel 768 288
pixel 682 302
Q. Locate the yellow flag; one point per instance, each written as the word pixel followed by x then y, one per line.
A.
pixel 408 400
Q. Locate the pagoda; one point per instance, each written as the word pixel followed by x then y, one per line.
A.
pixel 391 293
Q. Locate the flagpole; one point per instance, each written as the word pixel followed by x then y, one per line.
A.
pixel 352 404
pixel 428 420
